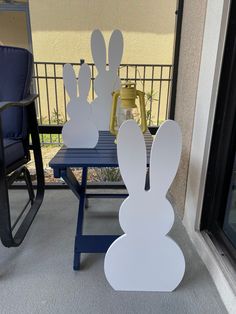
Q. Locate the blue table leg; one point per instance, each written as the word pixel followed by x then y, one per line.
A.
pixel 79 229
pixel 86 243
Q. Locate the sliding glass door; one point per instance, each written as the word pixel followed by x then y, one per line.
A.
pixel 219 206
pixel 229 224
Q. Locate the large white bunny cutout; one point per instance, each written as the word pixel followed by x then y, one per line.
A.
pixel 80 131
pixel 145 258
pixel 107 80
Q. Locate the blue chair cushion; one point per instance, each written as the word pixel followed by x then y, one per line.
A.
pixel 15 77
pixel 13 150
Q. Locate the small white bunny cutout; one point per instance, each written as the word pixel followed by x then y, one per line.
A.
pixel 145 258
pixel 80 131
pixel 106 81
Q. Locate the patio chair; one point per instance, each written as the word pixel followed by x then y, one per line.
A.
pixel 18 134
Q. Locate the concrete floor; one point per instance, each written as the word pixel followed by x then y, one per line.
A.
pixel 38 276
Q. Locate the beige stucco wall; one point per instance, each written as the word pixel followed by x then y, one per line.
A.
pixel 61 30
pixel 13 29
pixel 189 63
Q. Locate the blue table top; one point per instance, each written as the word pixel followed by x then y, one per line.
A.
pixel 103 155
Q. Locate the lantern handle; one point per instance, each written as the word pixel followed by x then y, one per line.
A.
pixel 142 110
pixel 115 96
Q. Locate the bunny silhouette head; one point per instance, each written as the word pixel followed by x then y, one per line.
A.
pixel 80 130
pixel 70 82
pixel 107 80
pixel 148 210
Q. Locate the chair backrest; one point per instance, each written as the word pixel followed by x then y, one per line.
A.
pixel 16 65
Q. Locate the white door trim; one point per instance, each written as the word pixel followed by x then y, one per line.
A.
pixel 209 75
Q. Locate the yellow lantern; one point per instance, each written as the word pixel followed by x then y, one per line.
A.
pixel 127 109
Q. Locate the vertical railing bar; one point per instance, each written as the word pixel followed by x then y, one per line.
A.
pixel 168 93
pixel 55 86
pixel 40 109
pixel 39 99
pixel 150 118
pixel 127 72
pixel 48 104
pixel 135 73
pixel 56 98
pixel 37 90
pixel 64 97
pixel 159 98
pixel 144 77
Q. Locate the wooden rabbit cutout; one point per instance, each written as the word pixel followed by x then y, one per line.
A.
pixel 145 258
pixel 107 80
pixel 80 131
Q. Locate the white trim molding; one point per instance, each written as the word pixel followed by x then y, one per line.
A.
pixel 210 68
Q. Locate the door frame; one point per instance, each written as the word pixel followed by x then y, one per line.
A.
pixel 214 35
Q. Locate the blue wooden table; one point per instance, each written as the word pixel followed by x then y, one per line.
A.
pixel 103 155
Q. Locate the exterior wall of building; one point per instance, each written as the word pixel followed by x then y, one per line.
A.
pixel 61 30
pixel 189 63
pixel 13 29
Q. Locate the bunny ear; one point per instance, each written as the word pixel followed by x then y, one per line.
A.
pixel 84 80
pixel 98 48
pixel 132 157
pixel 69 79
pixel 115 50
pixel 165 156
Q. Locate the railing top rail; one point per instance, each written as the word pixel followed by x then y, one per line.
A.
pixel 122 64
pixel 122 78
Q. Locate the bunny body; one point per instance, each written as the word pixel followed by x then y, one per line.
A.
pixel 141 271
pixel 145 258
pixel 107 80
pixel 80 131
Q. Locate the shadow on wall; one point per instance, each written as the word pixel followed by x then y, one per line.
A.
pixel 152 16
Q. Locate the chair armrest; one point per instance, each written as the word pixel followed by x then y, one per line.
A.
pixel 24 102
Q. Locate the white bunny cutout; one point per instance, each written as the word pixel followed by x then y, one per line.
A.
pixel 145 258
pixel 80 131
pixel 106 81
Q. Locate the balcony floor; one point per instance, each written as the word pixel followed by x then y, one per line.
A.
pixel 38 276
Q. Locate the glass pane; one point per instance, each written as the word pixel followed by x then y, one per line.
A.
pixel 229 226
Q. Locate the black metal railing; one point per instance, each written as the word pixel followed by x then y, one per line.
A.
pixel 153 79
